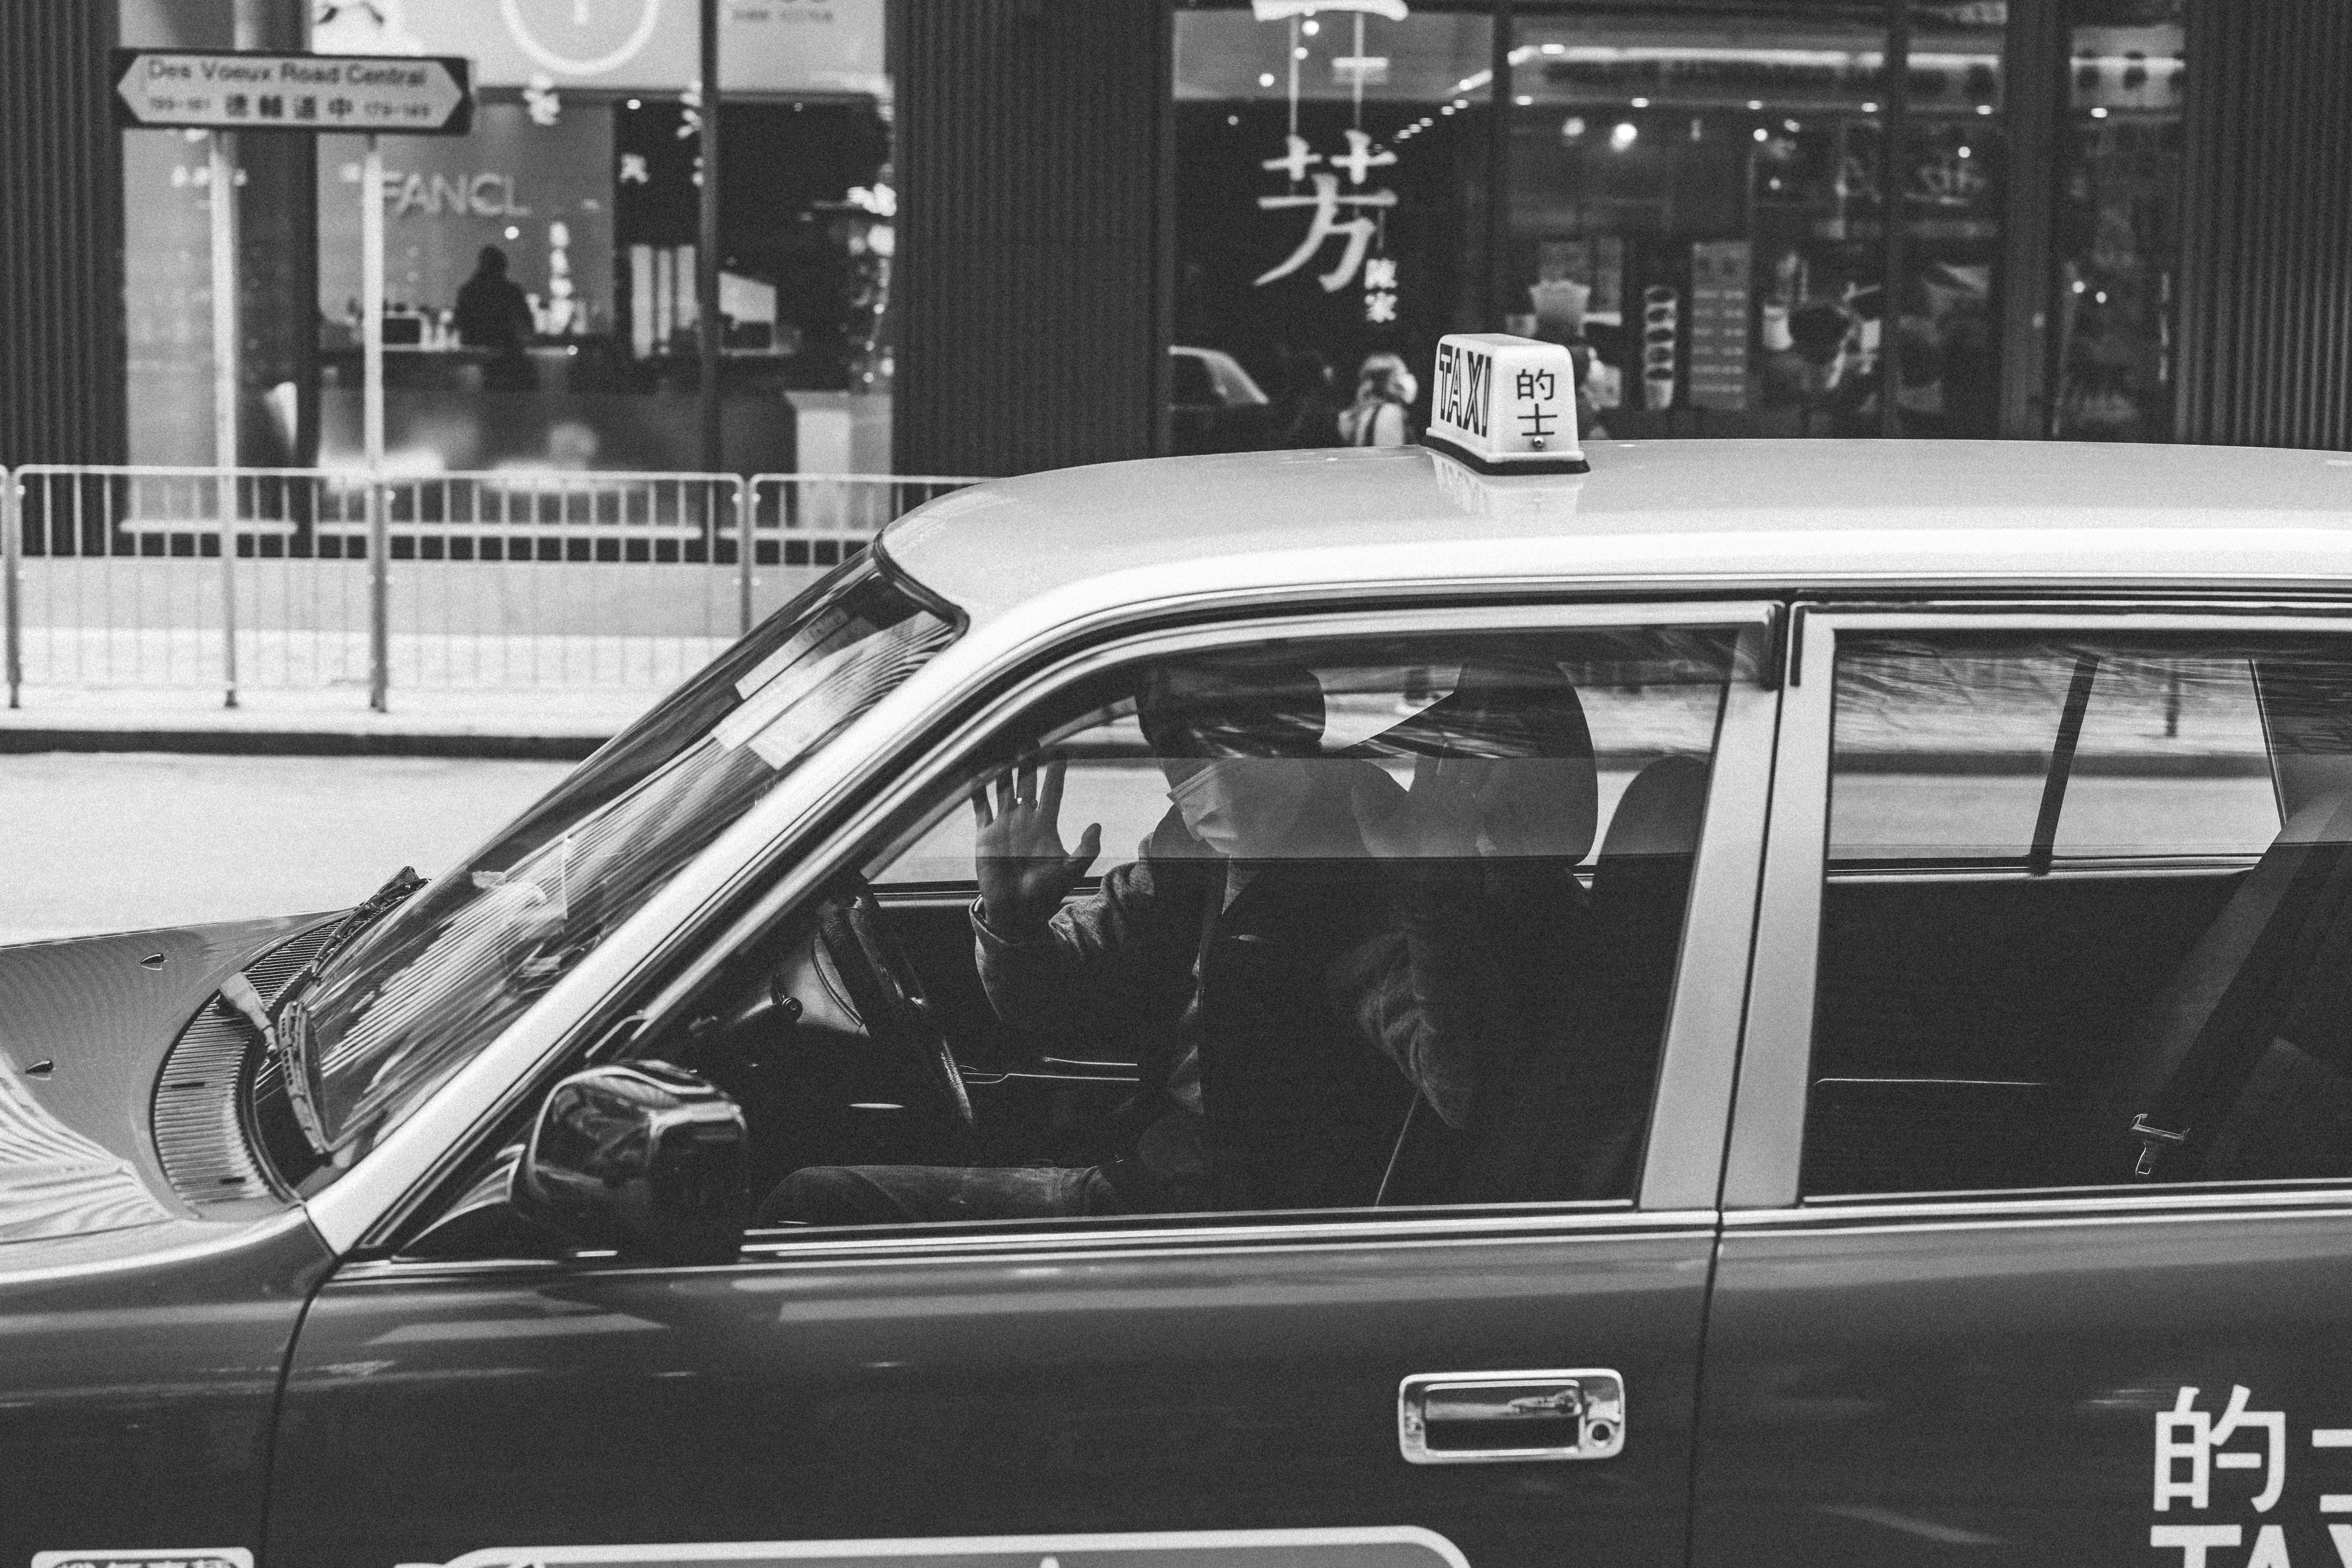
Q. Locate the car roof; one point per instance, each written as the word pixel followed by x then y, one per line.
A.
pixel 1699 513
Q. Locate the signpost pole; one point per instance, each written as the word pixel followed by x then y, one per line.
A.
pixel 12 528
pixel 379 545
pixel 709 339
pixel 223 178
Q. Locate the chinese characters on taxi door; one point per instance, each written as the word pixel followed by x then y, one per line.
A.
pixel 2221 1461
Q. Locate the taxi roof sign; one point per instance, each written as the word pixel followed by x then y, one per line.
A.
pixel 1504 405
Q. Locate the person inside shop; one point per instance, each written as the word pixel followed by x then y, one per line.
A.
pixel 1308 410
pixel 493 314
pixel 1381 415
pixel 1208 954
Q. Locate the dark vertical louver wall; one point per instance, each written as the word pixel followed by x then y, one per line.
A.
pixel 1030 280
pixel 2266 264
pixel 60 235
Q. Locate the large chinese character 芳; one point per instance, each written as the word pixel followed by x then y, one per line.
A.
pixel 1356 231
pixel 1326 224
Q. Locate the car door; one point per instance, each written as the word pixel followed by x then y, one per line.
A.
pixel 2077 874
pixel 1230 1384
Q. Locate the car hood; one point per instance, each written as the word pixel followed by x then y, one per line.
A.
pixel 84 1026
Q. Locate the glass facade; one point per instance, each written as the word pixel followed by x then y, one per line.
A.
pixel 1706 203
pixel 2119 221
pixel 582 174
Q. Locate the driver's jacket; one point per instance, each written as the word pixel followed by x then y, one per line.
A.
pixel 1295 1111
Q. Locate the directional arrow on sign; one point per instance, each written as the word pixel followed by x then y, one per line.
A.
pixel 420 95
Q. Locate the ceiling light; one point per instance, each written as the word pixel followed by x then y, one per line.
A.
pixel 2099 114
pixel 1641 103
pixel 1762 135
pixel 1266 78
pixel 1755 104
pixel 1622 136
pixel 1523 101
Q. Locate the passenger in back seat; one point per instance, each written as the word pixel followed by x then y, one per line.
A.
pixel 1482 990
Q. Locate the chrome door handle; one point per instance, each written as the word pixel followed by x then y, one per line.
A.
pixel 1480 1417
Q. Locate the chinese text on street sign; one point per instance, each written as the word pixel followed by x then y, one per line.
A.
pixel 406 96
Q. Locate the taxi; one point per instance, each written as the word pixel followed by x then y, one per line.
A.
pixel 1500 1003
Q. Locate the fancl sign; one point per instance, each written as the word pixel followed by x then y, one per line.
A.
pixel 1504 405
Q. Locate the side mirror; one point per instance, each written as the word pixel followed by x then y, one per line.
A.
pixel 643 1157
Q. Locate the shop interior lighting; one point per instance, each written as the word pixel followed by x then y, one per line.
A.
pixel 1624 135
pixel 1299 53
pixel 1573 127
pixel 1964 151
pixel 1310 27
pixel 1523 100
pixel 2100 298
pixel 1762 135
pixel 636 103
pixel 1984 108
pixel 1266 78
pixel 1869 109
pixel 1447 110
pixel 513 233
pixel 1641 103
pixel 2099 114
pixel 1790 126
pixel 1460 103
pixel 1755 105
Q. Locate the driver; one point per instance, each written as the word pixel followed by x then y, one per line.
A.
pixel 1211 950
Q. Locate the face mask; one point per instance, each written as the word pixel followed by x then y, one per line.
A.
pixel 1245 807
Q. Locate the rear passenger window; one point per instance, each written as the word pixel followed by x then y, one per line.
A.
pixel 2088 914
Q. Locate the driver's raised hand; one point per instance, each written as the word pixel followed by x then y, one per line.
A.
pixel 1022 868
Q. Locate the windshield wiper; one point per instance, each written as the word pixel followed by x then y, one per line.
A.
pixel 284 1029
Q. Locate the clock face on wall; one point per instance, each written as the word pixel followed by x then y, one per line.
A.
pixel 580 37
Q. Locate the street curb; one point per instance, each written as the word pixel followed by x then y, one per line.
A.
pixel 303 744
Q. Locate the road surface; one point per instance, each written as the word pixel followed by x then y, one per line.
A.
pixel 121 841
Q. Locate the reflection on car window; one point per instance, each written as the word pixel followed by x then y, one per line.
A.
pixel 1376 922
pixel 2088 917
pixel 418 995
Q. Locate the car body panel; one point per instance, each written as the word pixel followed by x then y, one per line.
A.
pixel 1799 514
pixel 143 1368
pixel 1063 1384
pixel 84 1026
pixel 1987 1380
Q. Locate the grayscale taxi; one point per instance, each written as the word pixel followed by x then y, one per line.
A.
pixel 1499 1003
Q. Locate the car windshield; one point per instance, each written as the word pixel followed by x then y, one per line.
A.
pixel 407 1005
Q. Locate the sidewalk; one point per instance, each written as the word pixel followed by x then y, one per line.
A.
pixel 557 723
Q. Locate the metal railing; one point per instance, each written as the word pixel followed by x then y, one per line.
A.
pixel 121 576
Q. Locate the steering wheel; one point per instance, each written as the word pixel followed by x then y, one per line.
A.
pixel 884 990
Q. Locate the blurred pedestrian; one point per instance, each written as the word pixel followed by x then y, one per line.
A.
pixel 492 313
pixel 1310 409
pixel 1381 415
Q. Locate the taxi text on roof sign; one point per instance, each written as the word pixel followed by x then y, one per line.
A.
pixel 1504 405
pixel 422 95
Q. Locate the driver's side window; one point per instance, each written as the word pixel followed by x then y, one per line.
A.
pixel 1301 925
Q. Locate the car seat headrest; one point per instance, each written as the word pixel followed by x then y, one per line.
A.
pixel 1524 720
pixel 1660 811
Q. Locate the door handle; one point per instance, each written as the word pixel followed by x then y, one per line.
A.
pixel 1480 1417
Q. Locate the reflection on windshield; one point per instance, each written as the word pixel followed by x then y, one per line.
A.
pixel 417 996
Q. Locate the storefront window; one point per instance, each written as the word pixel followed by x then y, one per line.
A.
pixel 1698 201
pixel 573 206
pixel 2118 236
pixel 1330 187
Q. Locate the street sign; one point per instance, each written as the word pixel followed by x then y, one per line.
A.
pixel 232 90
